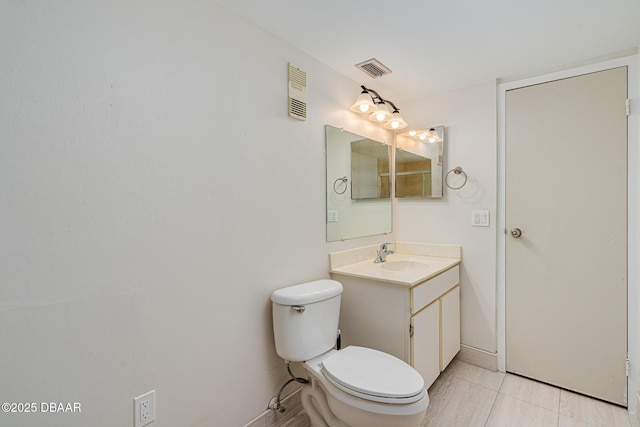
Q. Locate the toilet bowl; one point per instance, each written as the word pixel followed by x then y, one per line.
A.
pixel 352 387
pixel 365 387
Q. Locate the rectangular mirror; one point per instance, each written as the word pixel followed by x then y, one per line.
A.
pixel 358 185
pixel 418 167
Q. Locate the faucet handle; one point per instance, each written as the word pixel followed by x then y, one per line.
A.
pixel 383 247
pixel 383 252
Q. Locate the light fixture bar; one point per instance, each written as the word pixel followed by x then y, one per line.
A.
pixel 369 101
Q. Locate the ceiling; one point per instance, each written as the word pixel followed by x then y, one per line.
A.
pixel 433 46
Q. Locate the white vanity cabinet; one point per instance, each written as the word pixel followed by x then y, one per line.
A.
pixel 419 324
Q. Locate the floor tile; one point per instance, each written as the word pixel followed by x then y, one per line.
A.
pixel 301 419
pixel 592 411
pixel 455 402
pixel 489 379
pixel 531 391
pixel 510 412
pixel 565 421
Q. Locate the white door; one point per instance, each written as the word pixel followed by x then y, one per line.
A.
pixel 566 193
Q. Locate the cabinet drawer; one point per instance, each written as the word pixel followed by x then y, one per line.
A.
pixel 427 292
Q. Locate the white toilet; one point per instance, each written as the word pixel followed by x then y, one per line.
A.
pixel 355 386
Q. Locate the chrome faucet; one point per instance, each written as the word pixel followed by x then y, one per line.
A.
pixel 382 253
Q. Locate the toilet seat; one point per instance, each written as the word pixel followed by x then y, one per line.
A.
pixel 373 375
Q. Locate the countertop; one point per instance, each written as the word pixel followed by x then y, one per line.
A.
pixel 402 269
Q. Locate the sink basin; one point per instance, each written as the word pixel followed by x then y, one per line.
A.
pixel 404 265
pixel 400 268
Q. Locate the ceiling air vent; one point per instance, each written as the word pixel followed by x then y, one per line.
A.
pixel 374 68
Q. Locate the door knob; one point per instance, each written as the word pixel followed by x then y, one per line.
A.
pixel 516 232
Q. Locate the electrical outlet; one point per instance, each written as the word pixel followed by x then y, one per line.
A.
pixel 144 409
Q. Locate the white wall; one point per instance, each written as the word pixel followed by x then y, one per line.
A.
pixel 469 117
pixel 153 193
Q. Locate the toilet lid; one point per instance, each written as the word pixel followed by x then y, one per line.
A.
pixel 373 375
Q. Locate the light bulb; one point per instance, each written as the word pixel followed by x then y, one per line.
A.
pixel 412 133
pixel 432 139
pixel 395 124
pixel 364 108
pixel 380 116
pixel 423 136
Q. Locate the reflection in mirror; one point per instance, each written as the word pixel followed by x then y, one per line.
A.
pixel 369 170
pixel 358 188
pixel 419 170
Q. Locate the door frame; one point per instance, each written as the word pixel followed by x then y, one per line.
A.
pixel 633 219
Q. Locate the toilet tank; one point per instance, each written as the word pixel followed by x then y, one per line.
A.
pixel 305 319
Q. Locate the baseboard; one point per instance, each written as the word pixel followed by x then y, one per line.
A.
pixel 634 413
pixel 258 421
pixel 477 357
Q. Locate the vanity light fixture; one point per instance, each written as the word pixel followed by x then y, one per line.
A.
pixel 381 114
pixel 430 135
pixel 433 136
pixel 370 102
pixel 364 103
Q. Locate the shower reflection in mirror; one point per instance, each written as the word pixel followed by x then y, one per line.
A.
pixel 369 170
pixel 418 165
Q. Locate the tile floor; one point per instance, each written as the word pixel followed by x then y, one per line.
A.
pixel 466 395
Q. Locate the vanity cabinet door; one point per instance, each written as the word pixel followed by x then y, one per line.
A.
pixel 425 342
pixel 450 306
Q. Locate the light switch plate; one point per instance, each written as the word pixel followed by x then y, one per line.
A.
pixel 480 218
pixel 332 215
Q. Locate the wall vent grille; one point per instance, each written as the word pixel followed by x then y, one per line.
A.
pixel 297 109
pixel 297 86
pixel 374 68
